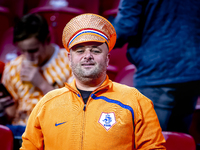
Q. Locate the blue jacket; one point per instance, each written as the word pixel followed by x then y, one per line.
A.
pixel 163 37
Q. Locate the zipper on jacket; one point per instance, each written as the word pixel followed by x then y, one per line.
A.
pixel 83 121
pixel 83 126
pixel 84 108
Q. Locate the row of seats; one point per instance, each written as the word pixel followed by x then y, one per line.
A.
pixel 58 13
pixel 53 10
pixel 21 7
pixel 174 140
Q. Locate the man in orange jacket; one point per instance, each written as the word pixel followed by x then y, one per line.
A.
pixel 92 112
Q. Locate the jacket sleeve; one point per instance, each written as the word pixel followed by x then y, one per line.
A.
pixel 33 139
pixel 148 133
pixel 9 80
pixel 127 21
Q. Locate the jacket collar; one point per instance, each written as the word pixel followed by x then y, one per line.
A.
pixel 105 85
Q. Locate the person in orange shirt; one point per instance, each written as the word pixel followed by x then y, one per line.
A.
pixel 92 112
pixel 41 67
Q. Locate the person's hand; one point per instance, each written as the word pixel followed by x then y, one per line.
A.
pixel 30 73
pixel 4 98
pixel 8 106
pixel 4 95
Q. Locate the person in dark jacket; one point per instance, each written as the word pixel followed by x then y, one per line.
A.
pixel 164 44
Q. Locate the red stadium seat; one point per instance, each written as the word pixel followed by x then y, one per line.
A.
pixel 6 138
pixel 57 18
pixel 14 6
pixel 112 72
pixel 125 76
pixel 118 57
pixel 8 50
pixel 30 4
pixel 178 141
pixel 195 125
pixel 108 7
pixel 2 64
pixel 110 12
pixel 118 61
pixel 6 19
pixel 86 5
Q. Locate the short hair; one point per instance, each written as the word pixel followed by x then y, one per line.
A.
pixel 31 25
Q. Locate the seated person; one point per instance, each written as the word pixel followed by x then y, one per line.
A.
pixel 41 67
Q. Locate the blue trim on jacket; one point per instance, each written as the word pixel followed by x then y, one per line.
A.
pixel 114 101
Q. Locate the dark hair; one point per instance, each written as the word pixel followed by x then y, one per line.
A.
pixel 31 25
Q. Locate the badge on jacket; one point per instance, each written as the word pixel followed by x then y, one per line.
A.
pixel 107 120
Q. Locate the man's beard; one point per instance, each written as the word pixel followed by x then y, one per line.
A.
pixel 85 75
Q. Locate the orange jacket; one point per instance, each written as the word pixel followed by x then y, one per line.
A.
pixel 59 120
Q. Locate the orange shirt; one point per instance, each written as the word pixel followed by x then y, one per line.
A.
pixel 56 70
pixel 115 117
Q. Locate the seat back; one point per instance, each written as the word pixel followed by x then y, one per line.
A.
pixel 112 72
pixel 57 18
pixel 6 138
pixel 14 6
pixel 6 19
pixel 106 5
pixel 8 50
pixel 178 141
pixel 118 57
pixel 89 6
pixel 195 124
pixel 125 76
pixel 30 4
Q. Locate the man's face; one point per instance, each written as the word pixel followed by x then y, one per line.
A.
pixel 89 60
pixel 33 50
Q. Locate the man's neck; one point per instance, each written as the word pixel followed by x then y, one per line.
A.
pixel 90 85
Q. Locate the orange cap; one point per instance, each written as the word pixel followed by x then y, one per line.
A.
pixel 88 28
